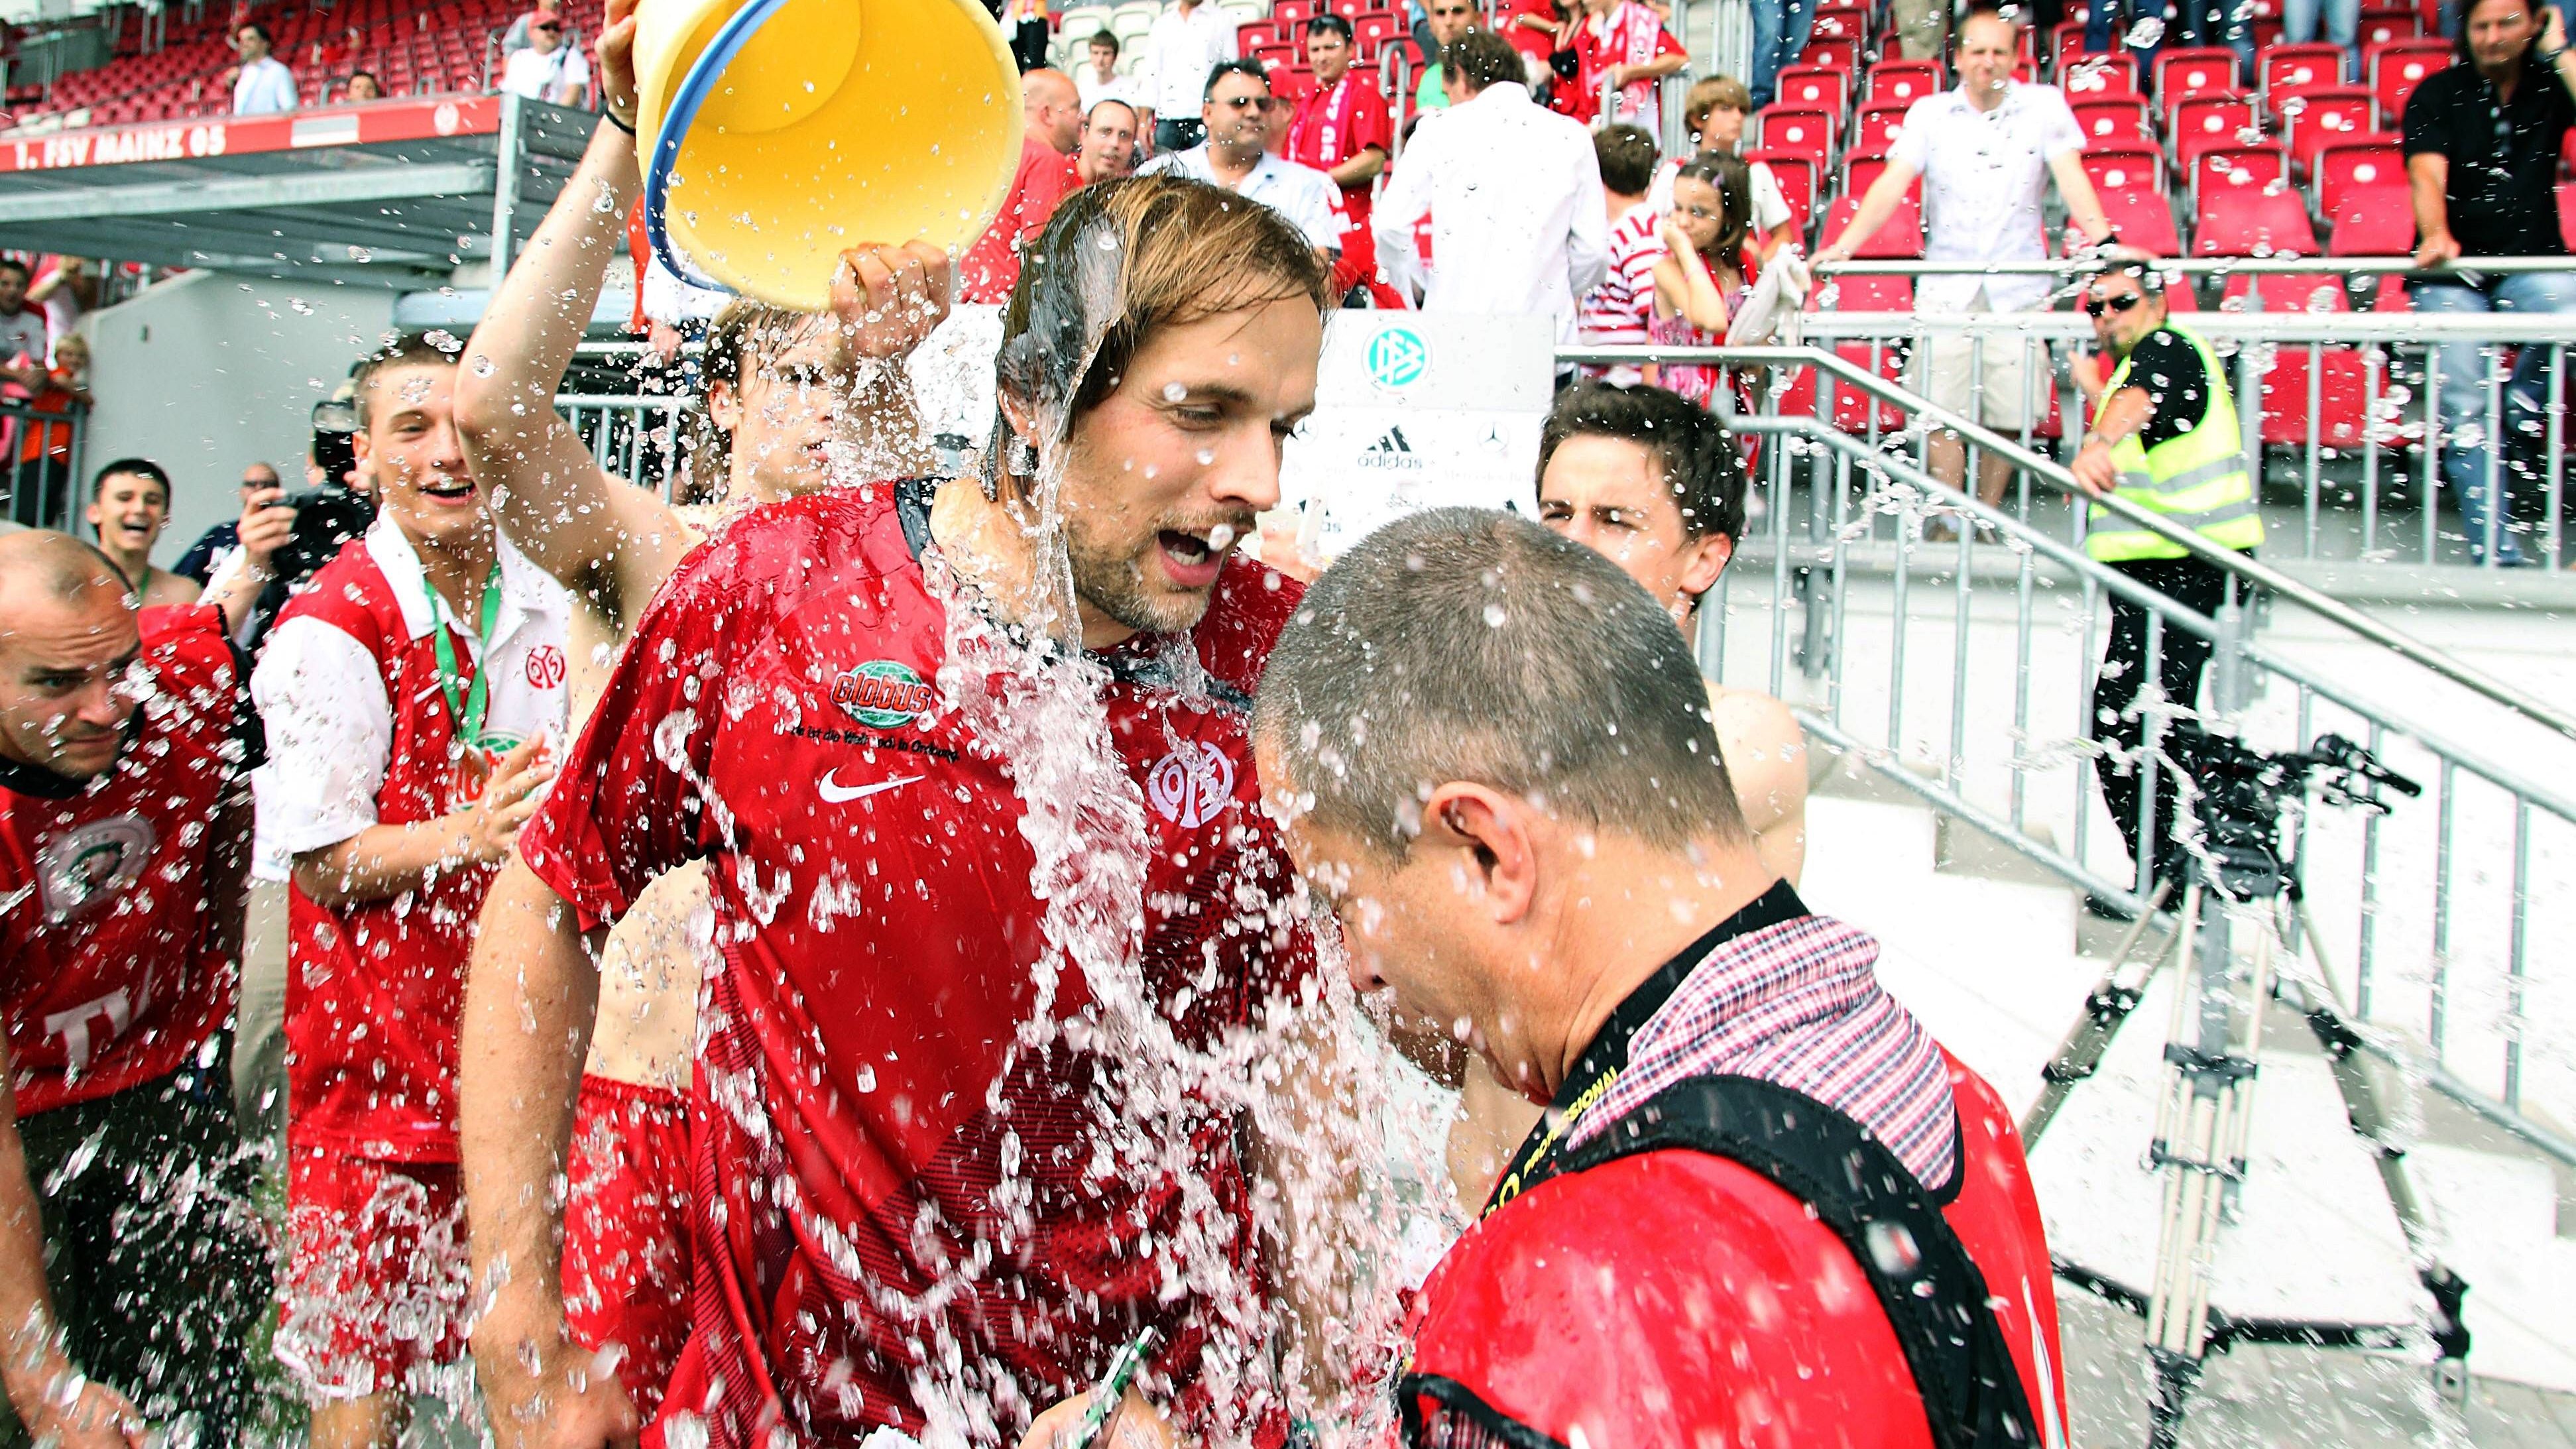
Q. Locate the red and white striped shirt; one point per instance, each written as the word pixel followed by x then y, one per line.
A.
pixel 1617 311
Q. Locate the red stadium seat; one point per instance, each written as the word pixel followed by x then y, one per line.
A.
pixel 2259 165
pixel 1251 35
pixel 2307 292
pixel 2339 405
pixel 1900 239
pixel 2302 65
pixel 1842 55
pixel 2205 122
pixel 2145 219
pixel 2325 118
pixel 2377 30
pixel 1867 294
pixel 1375 30
pixel 2099 77
pixel 2370 163
pixel 2120 118
pixel 1851 25
pixel 2066 42
pixel 2566 209
pixel 2192 71
pixel 1798 178
pixel 1852 410
pixel 1903 81
pixel 1816 87
pixel 1796 130
pixel 1862 172
pixel 1292 12
pixel 1874 134
pixel 1277 55
pixel 2371 221
pixel 2119 165
pixel 2396 68
pixel 2252 221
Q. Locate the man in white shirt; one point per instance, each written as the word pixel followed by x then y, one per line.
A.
pixel 1098 79
pixel 1236 156
pixel 548 70
pixel 1985 152
pixel 265 86
pixel 1519 222
pixel 1187 42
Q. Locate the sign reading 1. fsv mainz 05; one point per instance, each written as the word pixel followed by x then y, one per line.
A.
pixel 436 118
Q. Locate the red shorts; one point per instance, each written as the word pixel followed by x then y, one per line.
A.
pixel 626 1230
pixel 376 1274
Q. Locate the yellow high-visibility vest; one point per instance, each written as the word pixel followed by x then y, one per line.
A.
pixel 2200 481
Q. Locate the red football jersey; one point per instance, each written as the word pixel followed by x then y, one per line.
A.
pixel 887 1185
pixel 1333 125
pixel 991 267
pixel 1571 1310
pixel 107 973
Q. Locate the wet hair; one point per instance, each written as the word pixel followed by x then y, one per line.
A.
pixel 1627 158
pixel 1717 93
pixel 409 349
pixel 1690 445
pixel 1122 261
pixel 143 468
pixel 1480 58
pixel 1104 37
pixel 1463 644
pixel 1224 68
pixel 742 333
pixel 1732 179
pixel 1330 24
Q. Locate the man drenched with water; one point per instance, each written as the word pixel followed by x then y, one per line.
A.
pixel 1003 948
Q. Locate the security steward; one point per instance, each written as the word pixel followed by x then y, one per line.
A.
pixel 2164 437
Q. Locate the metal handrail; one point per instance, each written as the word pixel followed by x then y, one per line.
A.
pixel 2357 327
pixel 2202 267
pixel 1394 82
pixel 2253 571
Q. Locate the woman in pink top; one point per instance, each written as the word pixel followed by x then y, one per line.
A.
pixel 1704 274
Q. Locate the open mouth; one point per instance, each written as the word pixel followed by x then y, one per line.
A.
pixel 1194 557
pixel 452 492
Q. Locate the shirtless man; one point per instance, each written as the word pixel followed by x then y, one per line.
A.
pixel 1655 483
pixel 773 381
pixel 129 505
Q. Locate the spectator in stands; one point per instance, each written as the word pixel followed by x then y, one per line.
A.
pixel 23 334
pixel 1617 312
pixel 1187 42
pixel 129 505
pixel 2163 435
pixel 1704 257
pixel 1447 21
pixel 1236 156
pixel 518 37
pixel 1986 152
pixel 259 485
pixel 2342 22
pixel 1108 143
pixel 1052 110
pixel 263 86
pixel 1513 192
pixel 1100 80
pixel 1028 28
pixel 68 291
pixel 1341 128
pixel 2482 142
pixel 1714 111
pixel 549 70
pixel 1780 32
pixel 363 86
pixel 1622 47
pixel 132 1279
pixel 41 482
pixel 1537 29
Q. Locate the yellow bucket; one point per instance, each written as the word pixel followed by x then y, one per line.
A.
pixel 783 132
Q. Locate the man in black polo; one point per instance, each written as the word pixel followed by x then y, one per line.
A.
pixel 2482 141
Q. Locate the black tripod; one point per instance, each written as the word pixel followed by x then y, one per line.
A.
pixel 2237 875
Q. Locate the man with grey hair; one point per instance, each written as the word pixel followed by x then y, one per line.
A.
pixel 1493 758
pixel 130 1273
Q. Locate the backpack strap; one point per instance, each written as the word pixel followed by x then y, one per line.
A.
pixel 1926 1282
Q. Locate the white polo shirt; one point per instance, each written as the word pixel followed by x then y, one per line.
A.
pixel 1985 174
pixel 1171 81
pixel 1302 194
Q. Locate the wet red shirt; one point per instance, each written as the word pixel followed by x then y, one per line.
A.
pixel 864 1120
pixel 1571 1311
pixel 108 977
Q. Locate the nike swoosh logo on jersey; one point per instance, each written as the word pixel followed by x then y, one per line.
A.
pixel 838 794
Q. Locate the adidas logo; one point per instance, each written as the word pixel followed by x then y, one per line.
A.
pixel 1392 450
pixel 1393 442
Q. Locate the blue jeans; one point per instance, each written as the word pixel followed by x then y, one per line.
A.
pixel 2187 22
pixel 2342 21
pixel 2468 455
pixel 1780 31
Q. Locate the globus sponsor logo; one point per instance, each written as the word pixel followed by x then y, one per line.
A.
pixel 882 693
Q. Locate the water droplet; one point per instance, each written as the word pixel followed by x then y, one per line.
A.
pixel 2147 33
pixel 1893 1249
pixel 1173 392
pixel 482 366
pixel 1494 616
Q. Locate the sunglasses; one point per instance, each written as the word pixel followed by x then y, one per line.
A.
pixel 1247 103
pixel 2096 306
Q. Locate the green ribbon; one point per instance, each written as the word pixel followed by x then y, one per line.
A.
pixel 468 714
